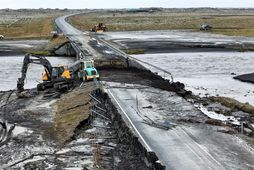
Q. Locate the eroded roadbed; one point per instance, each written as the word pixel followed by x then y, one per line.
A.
pixel 68 131
pixel 167 130
pixel 84 128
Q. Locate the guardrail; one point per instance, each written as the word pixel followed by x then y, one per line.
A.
pixel 136 62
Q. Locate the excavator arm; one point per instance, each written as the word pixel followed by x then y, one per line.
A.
pixel 35 60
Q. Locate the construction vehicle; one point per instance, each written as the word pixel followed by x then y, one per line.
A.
pixel 99 28
pixel 85 70
pixel 59 76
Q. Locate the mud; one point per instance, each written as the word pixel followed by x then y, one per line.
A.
pixel 156 46
pixel 96 143
pixel 142 77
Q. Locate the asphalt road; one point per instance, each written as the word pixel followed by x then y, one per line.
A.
pixel 81 38
pixel 183 147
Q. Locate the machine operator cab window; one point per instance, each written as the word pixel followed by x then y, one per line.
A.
pixel 89 64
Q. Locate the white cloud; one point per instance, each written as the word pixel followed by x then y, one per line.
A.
pixel 79 4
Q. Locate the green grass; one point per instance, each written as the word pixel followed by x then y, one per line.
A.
pixel 133 51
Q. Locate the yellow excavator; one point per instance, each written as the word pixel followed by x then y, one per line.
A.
pixel 58 76
pixel 99 28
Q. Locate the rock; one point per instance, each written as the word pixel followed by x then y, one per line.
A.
pixel 228 130
pixel 189 120
pixel 247 130
pixel 240 114
pixel 148 107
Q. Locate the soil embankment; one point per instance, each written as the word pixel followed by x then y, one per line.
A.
pixel 71 109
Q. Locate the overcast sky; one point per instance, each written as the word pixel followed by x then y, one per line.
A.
pixel 80 4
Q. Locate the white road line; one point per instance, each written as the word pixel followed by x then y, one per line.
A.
pixel 140 136
pixel 201 147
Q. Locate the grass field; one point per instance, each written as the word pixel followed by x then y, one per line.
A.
pixel 28 24
pixel 237 23
pixel 28 28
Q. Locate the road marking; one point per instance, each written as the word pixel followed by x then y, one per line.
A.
pixel 140 136
pixel 201 147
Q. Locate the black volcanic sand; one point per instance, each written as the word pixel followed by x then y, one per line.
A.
pixel 19 47
pixel 246 78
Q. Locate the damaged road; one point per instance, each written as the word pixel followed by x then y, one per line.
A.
pixel 63 133
pixel 185 145
pixel 131 119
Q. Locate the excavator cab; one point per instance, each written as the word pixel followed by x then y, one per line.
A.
pixel 57 73
pixel 60 76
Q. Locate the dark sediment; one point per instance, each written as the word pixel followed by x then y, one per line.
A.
pixel 246 78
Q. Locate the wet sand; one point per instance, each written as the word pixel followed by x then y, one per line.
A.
pixel 12 48
pixel 172 41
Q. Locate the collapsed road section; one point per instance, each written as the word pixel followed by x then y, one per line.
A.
pixel 131 119
pixel 82 129
pixel 163 122
pixel 198 114
pixel 87 128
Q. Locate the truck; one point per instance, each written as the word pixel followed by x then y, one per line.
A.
pixel 85 70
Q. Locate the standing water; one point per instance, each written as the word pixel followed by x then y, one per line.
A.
pixel 208 73
pixel 10 71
